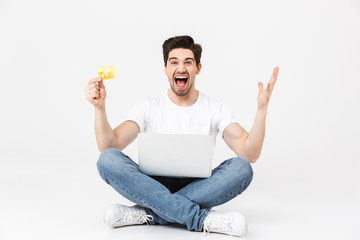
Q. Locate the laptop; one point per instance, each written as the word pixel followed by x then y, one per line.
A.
pixel 175 155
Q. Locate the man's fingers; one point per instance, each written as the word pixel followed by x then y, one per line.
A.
pixel 91 88
pixel 94 86
pixel 101 84
pixel 92 95
pixel 260 86
pixel 95 80
pixel 269 86
pixel 274 77
pixel 276 70
pixel 93 91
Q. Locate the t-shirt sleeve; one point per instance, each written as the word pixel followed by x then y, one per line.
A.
pixel 139 114
pixel 226 117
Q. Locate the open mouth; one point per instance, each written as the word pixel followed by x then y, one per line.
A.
pixel 180 81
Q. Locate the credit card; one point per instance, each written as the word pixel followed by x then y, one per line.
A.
pixel 106 72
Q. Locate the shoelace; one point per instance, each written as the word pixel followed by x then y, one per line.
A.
pixel 147 218
pixel 215 227
pixel 135 218
pixel 206 229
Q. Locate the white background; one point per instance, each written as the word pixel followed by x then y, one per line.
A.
pixel 306 182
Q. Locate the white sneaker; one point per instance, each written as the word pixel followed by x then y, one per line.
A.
pixel 119 215
pixel 232 223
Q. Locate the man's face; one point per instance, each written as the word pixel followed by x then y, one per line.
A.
pixel 181 70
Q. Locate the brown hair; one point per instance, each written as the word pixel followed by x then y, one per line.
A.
pixel 186 42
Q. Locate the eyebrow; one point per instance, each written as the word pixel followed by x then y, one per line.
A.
pixel 175 58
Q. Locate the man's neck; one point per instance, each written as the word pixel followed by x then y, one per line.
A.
pixel 184 101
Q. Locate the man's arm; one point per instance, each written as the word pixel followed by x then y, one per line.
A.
pixel 249 145
pixel 106 137
pixel 125 134
pixel 118 138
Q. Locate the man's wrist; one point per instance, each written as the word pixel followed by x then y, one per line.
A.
pixel 99 108
pixel 262 109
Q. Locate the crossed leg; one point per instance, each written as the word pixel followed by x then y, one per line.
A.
pixel 188 206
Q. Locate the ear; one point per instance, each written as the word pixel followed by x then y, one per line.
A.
pixel 198 68
pixel 165 69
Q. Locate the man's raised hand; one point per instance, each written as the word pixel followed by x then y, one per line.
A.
pixel 95 93
pixel 265 94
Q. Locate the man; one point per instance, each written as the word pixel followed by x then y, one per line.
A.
pixel 183 110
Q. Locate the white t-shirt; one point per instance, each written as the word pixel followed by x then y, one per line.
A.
pixel 160 115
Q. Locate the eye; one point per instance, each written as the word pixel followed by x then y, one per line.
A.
pixel 173 63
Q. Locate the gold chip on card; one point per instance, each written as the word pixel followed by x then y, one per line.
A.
pixel 106 72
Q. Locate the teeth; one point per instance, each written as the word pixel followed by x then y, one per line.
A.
pixel 181 77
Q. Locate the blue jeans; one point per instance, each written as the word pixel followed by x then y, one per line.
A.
pixel 185 201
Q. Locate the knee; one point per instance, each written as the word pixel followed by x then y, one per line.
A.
pixel 241 168
pixel 110 163
pixel 110 159
pixel 106 158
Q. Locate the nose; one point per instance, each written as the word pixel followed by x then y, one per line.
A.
pixel 181 68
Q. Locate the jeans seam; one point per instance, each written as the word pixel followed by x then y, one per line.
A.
pixel 232 194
